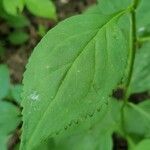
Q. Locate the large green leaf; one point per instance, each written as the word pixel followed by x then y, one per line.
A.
pixel 42 8
pixel 73 72
pixel 9 120
pixel 141 74
pixel 137 119
pixel 4 81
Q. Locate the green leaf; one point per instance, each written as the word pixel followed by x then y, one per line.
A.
pixel 13 7
pixel 137 119
pixel 44 8
pixel 16 91
pixel 143 145
pixel 141 72
pixel 41 30
pixel 19 21
pixel 16 21
pixel 18 37
pixel 3 142
pixel 68 78
pixel 4 81
pixel 8 122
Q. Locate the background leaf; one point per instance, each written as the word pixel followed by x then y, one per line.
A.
pixel 4 81
pixel 18 37
pixel 13 7
pixel 44 8
pixel 19 21
pixel 15 92
pixel 143 145
pixel 137 127
pixel 8 113
pixel 141 73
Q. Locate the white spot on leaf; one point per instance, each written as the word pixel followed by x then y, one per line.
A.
pixel 34 96
pixel 141 29
pixel 47 67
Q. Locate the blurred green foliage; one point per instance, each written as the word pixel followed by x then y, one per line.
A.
pixel 8 91
pixel 13 15
pixel 10 114
pixel 12 12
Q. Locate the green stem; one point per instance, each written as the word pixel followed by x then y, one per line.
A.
pixel 131 59
pixel 133 49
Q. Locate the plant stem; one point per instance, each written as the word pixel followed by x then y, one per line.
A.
pixel 133 48
pixel 131 59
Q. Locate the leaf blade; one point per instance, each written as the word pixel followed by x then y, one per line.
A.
pixel 79 78
pixel 140 78
pixel 134 125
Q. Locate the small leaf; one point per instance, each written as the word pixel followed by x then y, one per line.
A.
pixel 143 145
pixel 16 21
pixel 4 81
pixel 13 7
pixel 9 121
pixel 42 30
pixel 19 21
pixel 137 119
pixel 16 93
pixel 42 8
pixel 18 37
pixel 141 74
pixel 72 77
